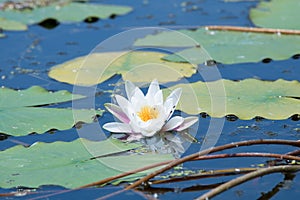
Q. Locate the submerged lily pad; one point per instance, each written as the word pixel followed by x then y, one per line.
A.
pixel 20 111
pixel 63 12
pixel 136 66
pixel 227 47
pixel 246 99
pixel 276 14
pixel 69 164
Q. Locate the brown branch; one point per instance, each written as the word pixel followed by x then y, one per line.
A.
pixel 225 172
pixel 211 150
pixel 254 30
pixel 109 179
pixel 247 177
pixel 294 153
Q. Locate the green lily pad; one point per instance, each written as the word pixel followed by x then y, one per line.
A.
pixel 136 66
pixel 66 12
pixel 246 99
pixel 276 14
pixel 12 25
pixel 20 111
pixel 227 47
pixel 69 164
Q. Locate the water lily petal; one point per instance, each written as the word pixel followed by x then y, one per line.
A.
pixel 138 93
pixel 152 127
pixel 138 98
pixel 117 127
pixel 149 133
pixel 129 88
pixel 188 121
pixel 134 137
pixel 153 89
pixel 123 103
pixel 117 112
pixel 173 123
pixel 169 108
pixel 175 95
pixel 158 98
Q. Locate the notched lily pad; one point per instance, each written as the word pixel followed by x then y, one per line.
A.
pixel 62 11
pixel 276 14
pixel 20 111
pixel 246 99
pixel 226 47
pixel 69 164
pixel 136 66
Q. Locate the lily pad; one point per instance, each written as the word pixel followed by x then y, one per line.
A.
pixel 69 164
pixel 276 14
pixel 227 47
pixel 63 12
pixel 20 111
pixel 136 66
pixel 12 25
pixel 246 99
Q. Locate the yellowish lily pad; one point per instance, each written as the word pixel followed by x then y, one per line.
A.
pixel 136 66
pixel 246 99
pixel 12 25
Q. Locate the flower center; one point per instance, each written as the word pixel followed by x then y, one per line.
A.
pixel 146 113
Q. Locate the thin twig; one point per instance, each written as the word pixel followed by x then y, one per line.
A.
pixel 252 154
pixel 247 177
pixel 211 150
pixel 254 30
pixel 294 153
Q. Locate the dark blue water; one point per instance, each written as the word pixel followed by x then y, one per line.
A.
pixel 26 57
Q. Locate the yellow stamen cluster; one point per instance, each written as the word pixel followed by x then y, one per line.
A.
pixel 146 113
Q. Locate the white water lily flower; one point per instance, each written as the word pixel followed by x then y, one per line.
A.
pixel 144 116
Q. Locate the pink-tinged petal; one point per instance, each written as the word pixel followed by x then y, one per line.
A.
pixel 189 121
pixel 173 123
pixel 117 127
pixel 129 88
pixel 134 137
pixel 117 112
pixel 153 89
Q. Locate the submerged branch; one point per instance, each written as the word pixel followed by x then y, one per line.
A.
pixel 247 177
pixel 211 150
pixel 226 172
pixel 206 174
